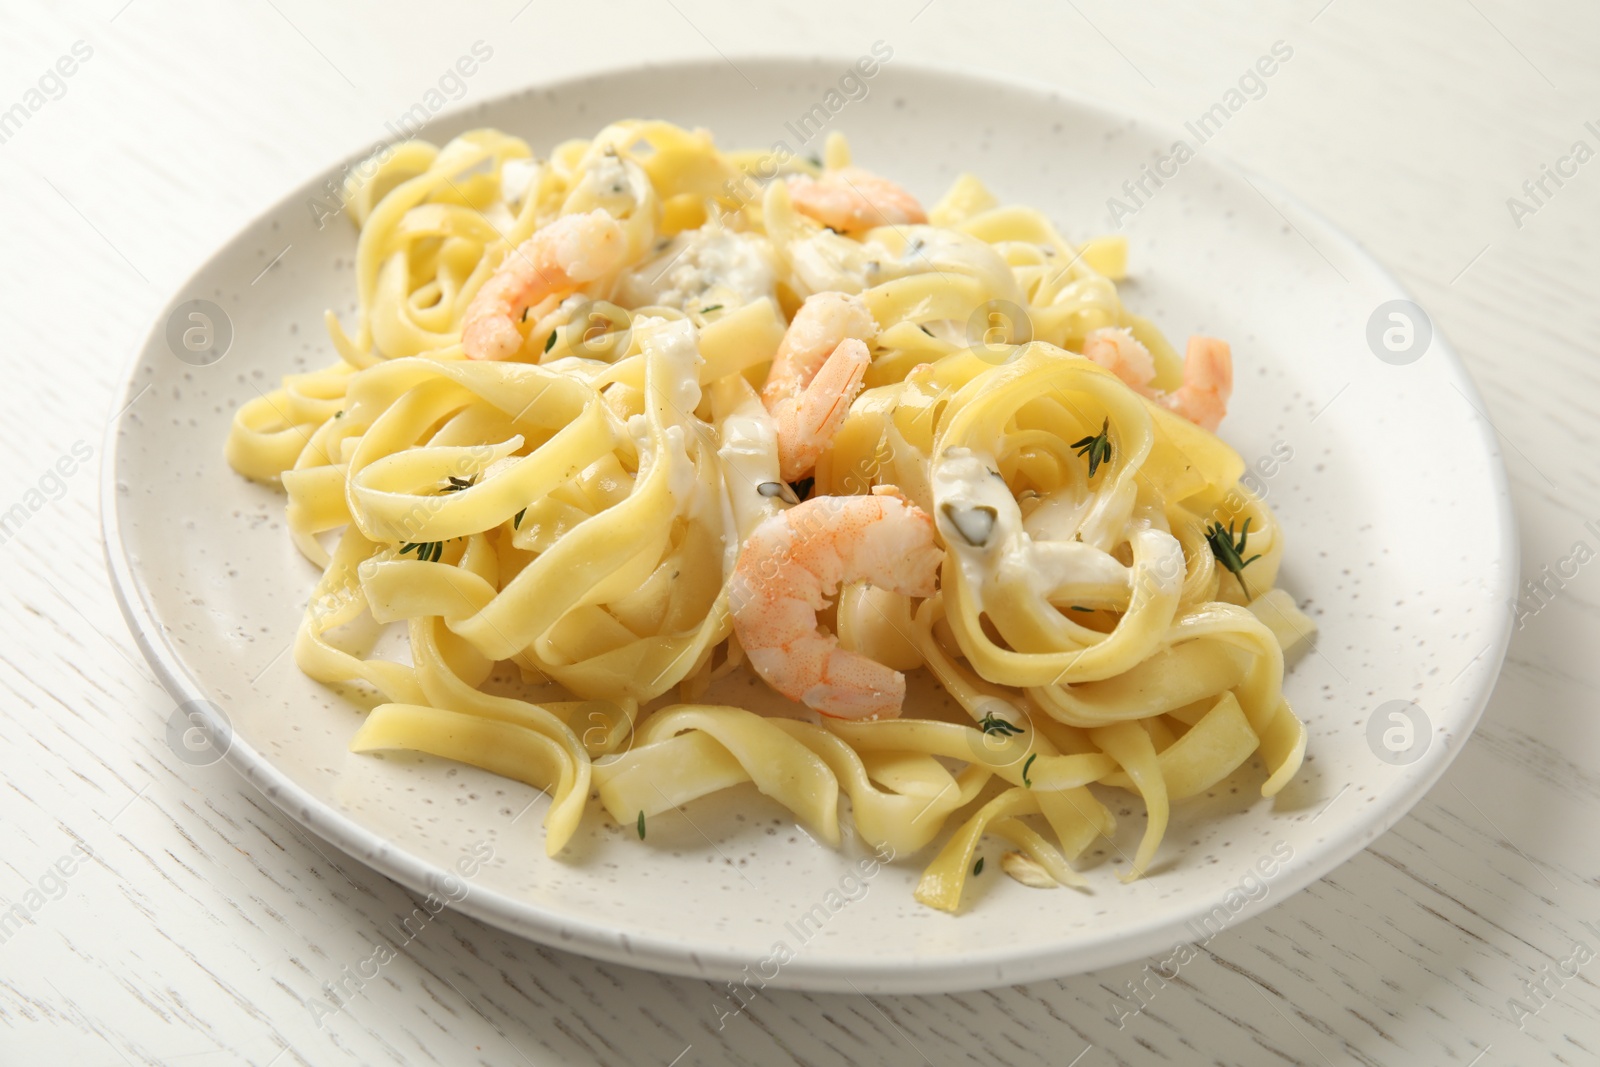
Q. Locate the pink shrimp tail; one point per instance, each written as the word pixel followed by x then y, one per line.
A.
pixel 807 423
pixel 1207 383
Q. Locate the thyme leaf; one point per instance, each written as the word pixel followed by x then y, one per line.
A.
pixel 993 724
pixel 1230 553
pixel 427 551
pixel 1097 448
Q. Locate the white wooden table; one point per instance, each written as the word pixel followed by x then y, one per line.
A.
pixel 202 927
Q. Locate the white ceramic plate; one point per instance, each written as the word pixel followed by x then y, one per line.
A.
pixel 1400 543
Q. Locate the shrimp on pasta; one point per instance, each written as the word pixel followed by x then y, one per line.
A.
pixel 676 467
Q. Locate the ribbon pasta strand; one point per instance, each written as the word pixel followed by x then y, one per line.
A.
pixel 559 532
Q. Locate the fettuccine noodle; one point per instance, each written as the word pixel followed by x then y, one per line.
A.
pixel 581 506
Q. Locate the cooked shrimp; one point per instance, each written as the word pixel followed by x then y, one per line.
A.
pixel 1119 352
pixel 794 561
pixel 815 375
pixel 558 258
pixel 1207 373
pixel 850 199
pixel 1207 383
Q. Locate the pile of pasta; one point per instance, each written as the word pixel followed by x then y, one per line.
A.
pixel 577 512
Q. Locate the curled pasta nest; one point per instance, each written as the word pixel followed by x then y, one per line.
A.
pixel 577 511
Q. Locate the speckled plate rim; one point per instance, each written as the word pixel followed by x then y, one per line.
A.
pixel 682 955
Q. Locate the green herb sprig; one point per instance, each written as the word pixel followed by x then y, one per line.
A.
pixel 1230 553
pixel 993 724
pixel 427 551
pixel 1097 448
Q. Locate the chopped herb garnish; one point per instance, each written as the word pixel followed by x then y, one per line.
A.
pixel 516 523
pixel 641 824
pixel 458 484
pixel 713 307
pixel 924 329
pixel 338 414
pixel 1097 448
pixel 993 724
pixel 1080 607
pixel 816 160
pixel 802 488
pixel 550 342
pixel 975 524
pixel 977 868
pixel 427 551
pixel 1025 779
pixel 1230 553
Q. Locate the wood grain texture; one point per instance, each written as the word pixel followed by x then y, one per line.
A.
pixel 207 928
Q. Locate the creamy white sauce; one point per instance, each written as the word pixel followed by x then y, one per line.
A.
pixel 612 184
pixel 830 262
pixel 923 249
pixel 749 455
pixel 680 471
pixel 701 268
pixel 965 483
pixel 1059 516
pixel 516 178
pixel 672 366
